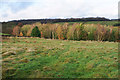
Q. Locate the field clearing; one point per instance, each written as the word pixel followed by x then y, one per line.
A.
pixel 46 58
pixel 109 23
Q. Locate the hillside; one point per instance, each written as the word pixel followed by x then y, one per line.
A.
pixel 8 26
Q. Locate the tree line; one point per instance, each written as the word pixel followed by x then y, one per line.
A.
pixel 8 26
pixel 76 31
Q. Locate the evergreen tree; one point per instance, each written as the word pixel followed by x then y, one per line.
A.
pixel 35 32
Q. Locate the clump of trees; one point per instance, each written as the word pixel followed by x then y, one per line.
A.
pixel 76 31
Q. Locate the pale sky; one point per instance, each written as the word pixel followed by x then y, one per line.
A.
pixel 38 9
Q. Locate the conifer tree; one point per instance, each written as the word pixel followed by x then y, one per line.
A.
pixel 35 32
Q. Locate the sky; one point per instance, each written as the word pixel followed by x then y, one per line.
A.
pixel 42 9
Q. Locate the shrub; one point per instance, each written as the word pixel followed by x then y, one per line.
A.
pixel 21 34
pixel 35 32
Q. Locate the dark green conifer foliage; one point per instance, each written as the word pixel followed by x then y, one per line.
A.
pixel 35 32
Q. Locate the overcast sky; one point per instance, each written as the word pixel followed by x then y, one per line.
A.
pixel 37 9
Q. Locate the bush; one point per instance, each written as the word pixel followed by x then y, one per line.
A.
pixel 21 34
pixel 35 32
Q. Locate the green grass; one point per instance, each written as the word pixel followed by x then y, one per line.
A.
pixel 45 58
pixel 110 23
pixel 4 34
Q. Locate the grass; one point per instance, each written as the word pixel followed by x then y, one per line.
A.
pixel 45 58
pixel 110 23
pixel 4 34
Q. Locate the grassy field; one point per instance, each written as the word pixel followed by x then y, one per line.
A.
pixel 45 58
pixel 110 23
pixel 3 34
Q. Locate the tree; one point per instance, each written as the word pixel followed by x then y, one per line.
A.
pixel 21 34
pixel 42 35
pixel 70 32
pixel 53 28
pixel 30 30
pixel 59 33
pixel 79 33
pixel 76 32
pixel 46 32
pixel 90 29
pixel 16 31
pixel 20 24
pixel 65 30
pixel 100 32
pixel 35 32
pixel 25 29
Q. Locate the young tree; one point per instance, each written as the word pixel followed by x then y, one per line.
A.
pixel 25 29
pixel 80 33
pixel 53 28
pixel 20 24
pixel 35 32
pixel 42 34
pixel 21 34
pixel 16 31
pixel 90 29
pixel 100 32
pixel 71 33
pixel 46 31
pixel 30 30
pixel 116 33
pixel 59 32
pixel 65 30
